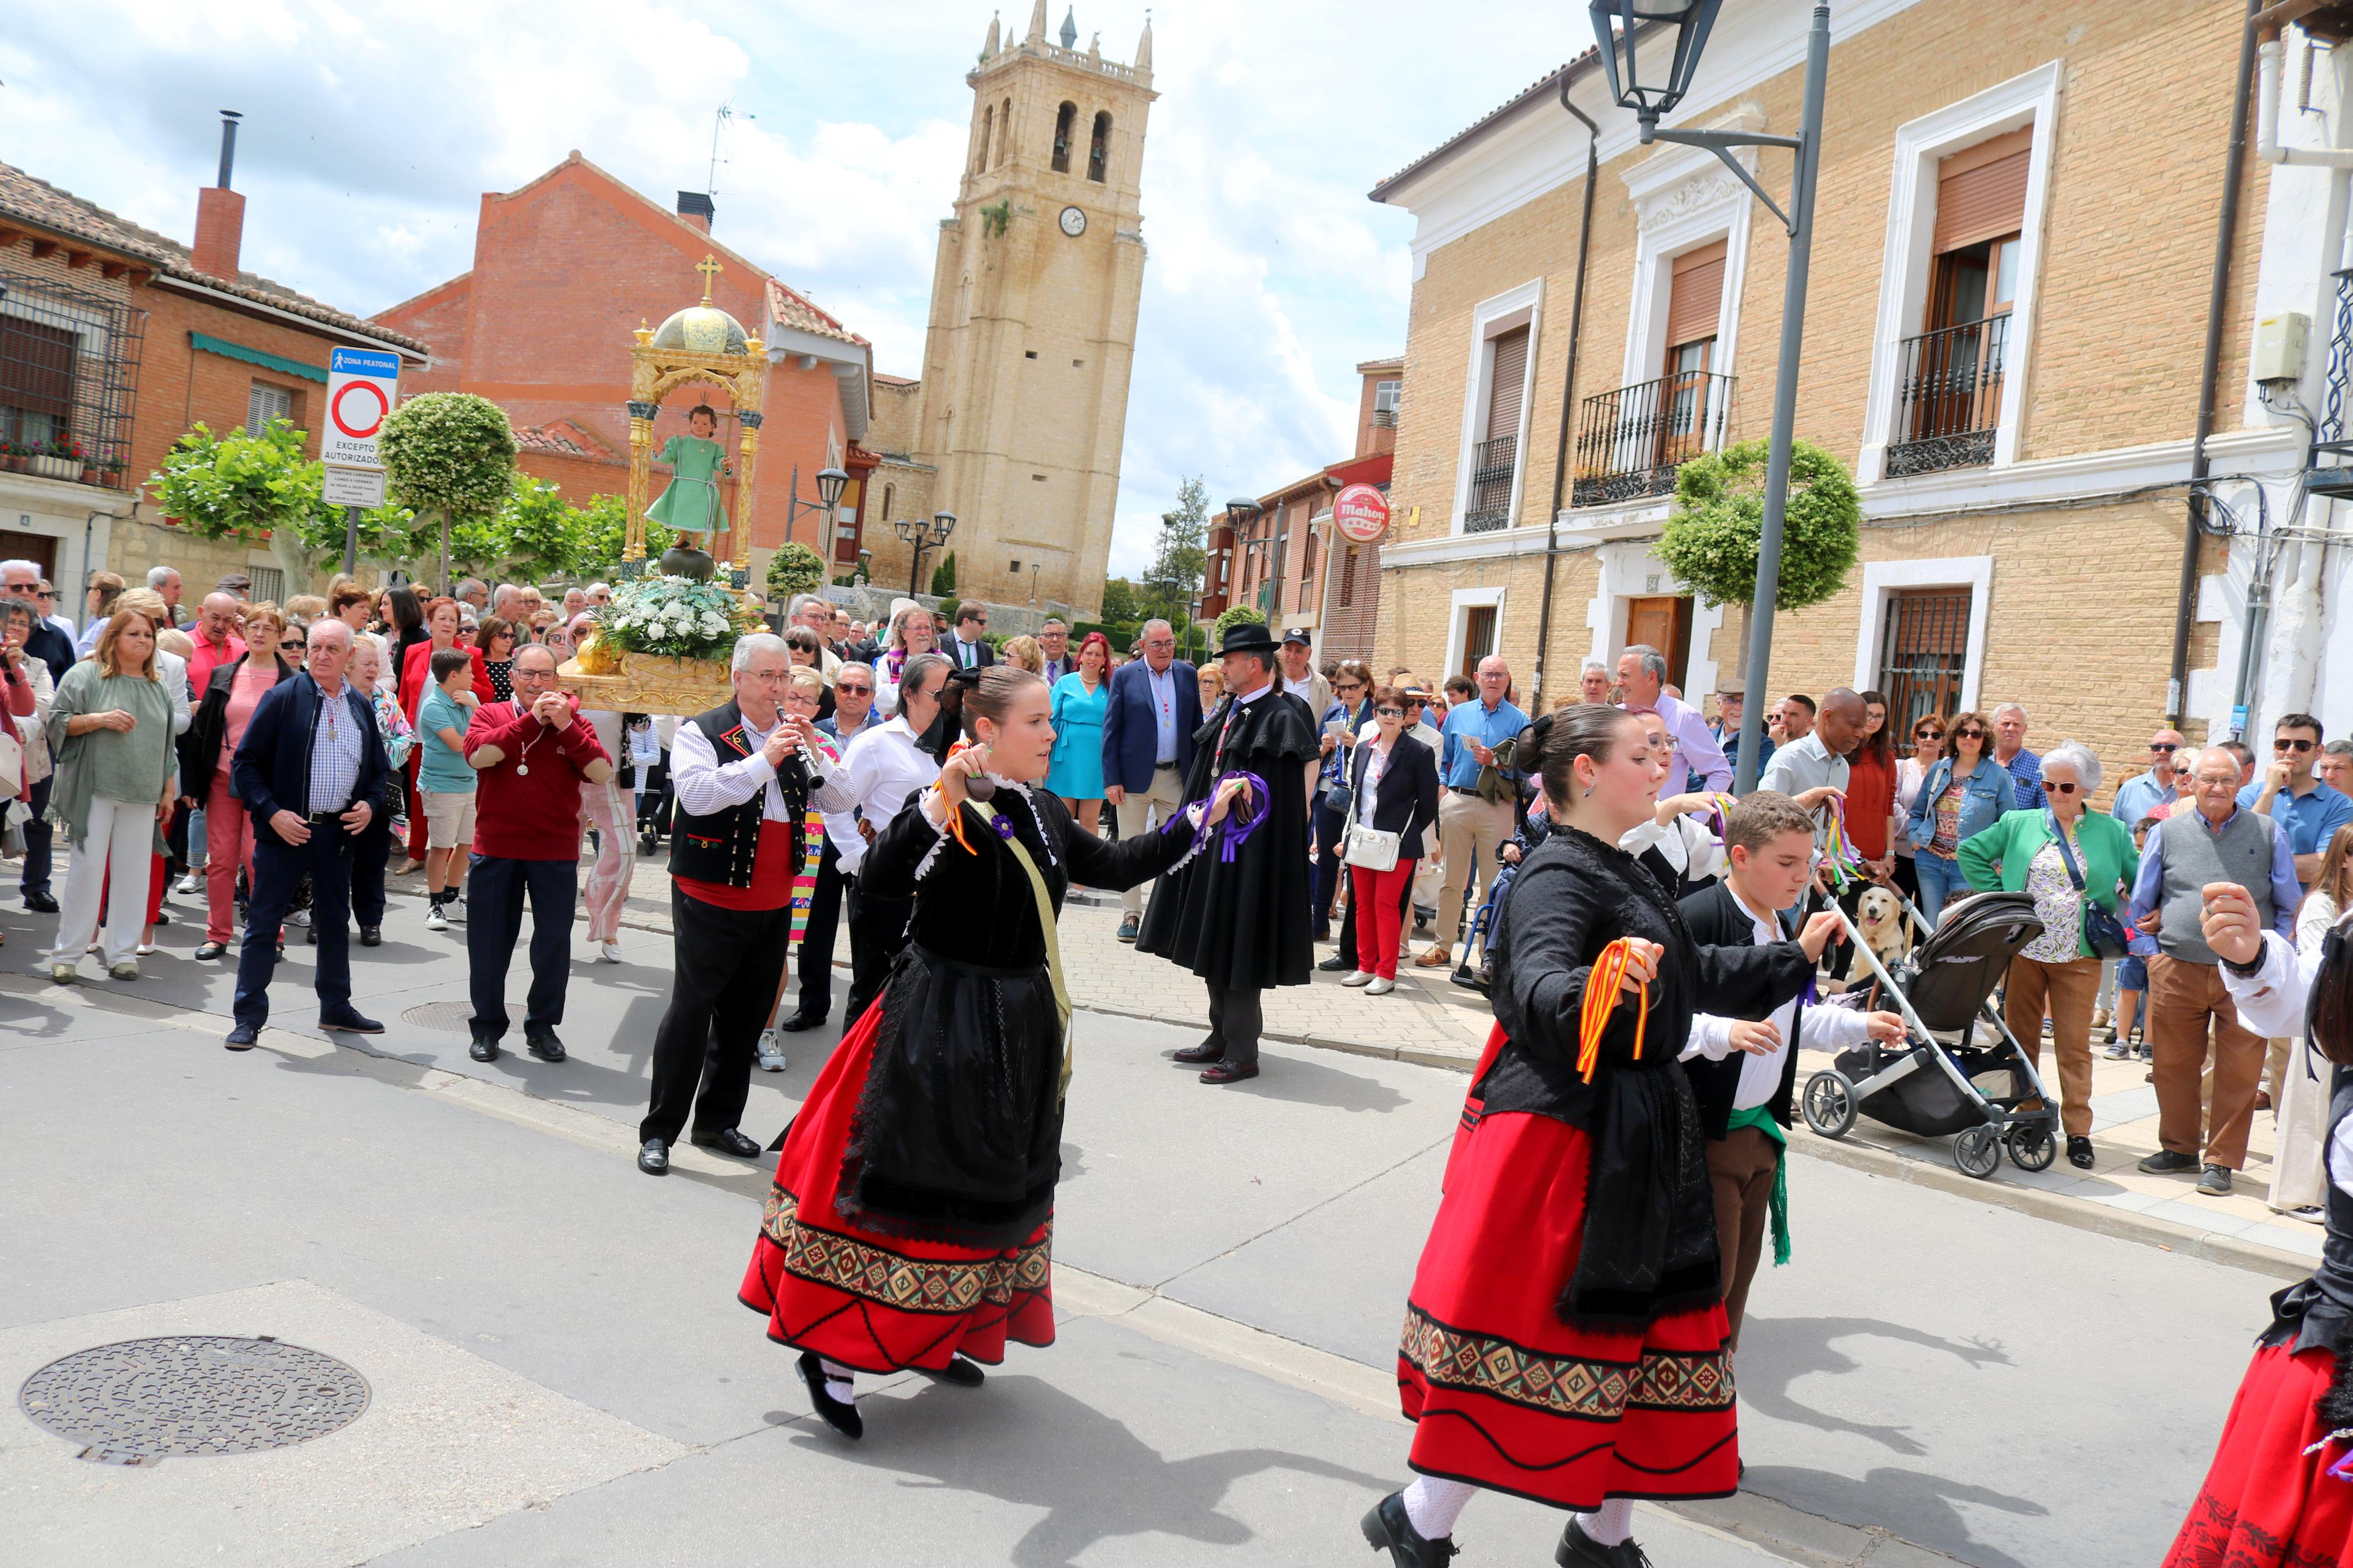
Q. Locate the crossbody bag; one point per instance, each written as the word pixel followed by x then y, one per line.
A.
pixel 2103 932
pixel 1368 848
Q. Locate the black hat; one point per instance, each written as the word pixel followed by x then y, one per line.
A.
pixel 1301 636
pixel 1248 637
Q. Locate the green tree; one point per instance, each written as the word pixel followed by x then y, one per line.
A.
pixel 449 459
pixel 1236 617
pixel 1181 558
pixel 247 486
pixel 943 575
pixel 1711 537
pixel 1122 605
pixel 605 529
pixel 537 531
pixel 795 569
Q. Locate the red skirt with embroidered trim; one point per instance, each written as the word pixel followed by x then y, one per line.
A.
pixel 878 1303
pixel 2265 1503
pixel 1506 1396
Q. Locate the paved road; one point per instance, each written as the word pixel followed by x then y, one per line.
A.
pixel 562 1374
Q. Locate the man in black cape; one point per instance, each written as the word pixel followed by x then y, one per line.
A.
pixel 1237 914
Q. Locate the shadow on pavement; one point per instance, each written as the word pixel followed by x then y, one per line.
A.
pixel 1787 1349
pixel 1303 1081
pixel 1917 1507
pixel 1023 1441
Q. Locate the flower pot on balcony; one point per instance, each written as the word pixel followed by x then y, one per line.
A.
pixel 50 468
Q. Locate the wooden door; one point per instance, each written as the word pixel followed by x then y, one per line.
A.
pixel 1478 637
pixel 1665 623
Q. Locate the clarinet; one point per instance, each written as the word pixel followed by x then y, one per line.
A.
pixel 812 763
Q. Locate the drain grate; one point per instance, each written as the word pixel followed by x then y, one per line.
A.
pixel 143 1401
pixel 453 1017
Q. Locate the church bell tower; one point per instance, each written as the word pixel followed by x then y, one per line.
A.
pixel 1032 330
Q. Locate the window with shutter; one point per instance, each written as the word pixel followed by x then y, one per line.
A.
pixel 1694 297
pixel 269 583
pixel 1507 384
pixel 1981 192
pixel 266 403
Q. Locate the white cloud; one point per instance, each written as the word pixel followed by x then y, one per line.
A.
pixel 372 129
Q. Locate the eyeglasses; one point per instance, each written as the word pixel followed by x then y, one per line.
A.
pixel 2166 747
pixel 2285 744
pixel 1969 734
pixel 45 593
pixel 1389 712
pixel 2061 788
pixel 1927 734
pixel 841 690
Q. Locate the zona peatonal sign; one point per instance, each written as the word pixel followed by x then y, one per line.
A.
pixel 363 386
pixel 1361 513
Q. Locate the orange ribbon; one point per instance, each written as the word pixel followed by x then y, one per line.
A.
pixel 1602 983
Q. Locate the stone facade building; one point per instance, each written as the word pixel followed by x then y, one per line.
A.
pixel 2017 229
pixel 120 339
pixel 1016 423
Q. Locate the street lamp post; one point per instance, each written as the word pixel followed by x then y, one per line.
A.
pixel 1619 28
pixel 922 536
pixel 830 483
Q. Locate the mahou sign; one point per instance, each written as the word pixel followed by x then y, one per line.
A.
pixel 1361 513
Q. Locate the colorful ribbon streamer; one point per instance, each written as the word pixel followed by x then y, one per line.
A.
pixel 1838 859
pixel 1602 983
pixel 1239 828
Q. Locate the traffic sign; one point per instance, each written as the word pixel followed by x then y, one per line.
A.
pixel 1361 513
pixel 362 387
pixel 353 487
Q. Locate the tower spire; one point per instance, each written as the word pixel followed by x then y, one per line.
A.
pixel 1070 27
pixel 989 49
pixel 1036 34
pixel 1144 45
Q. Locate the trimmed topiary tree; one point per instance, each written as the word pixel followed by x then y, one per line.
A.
pixel 450 458
pixel 943 576
pixel 1234 617
pixel 1711 537
pixel 795 569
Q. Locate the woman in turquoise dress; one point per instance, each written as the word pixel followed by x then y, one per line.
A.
pixel 690 502
pixel 1081 700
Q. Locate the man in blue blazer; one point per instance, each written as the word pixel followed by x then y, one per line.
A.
pixel 1155 706
pixel 311 771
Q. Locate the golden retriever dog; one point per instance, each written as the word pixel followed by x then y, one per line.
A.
pixel 1887 929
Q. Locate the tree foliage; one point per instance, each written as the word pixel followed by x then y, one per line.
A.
pixel 540 533
pixel 605 523
pixel 241 484
pixel 450 455
pixel 1123 604
pixel 1711 537
pixel 943 575
pixel 794 569
pixel 1236 617
pixel 1180 559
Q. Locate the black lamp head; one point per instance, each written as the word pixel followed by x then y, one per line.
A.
pixel 1618 26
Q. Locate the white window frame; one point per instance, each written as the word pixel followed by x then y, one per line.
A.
pixel 1684 198
pixel 2028 101
pixel 1392 388
pixel 1458 622
pixel 1489 318
pixel 1882 578
pixel 254 390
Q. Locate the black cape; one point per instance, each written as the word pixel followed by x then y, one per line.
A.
pixel 1242 925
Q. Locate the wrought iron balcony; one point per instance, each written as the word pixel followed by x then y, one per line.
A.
pixel 1631 441
pixel 1494 465
pixel 68 379
pixel 1949 399
pixel 1384 419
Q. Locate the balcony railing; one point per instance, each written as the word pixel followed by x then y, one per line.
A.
pixel 1631 441
pixel 68 379
pixel 1493 464
pixel 1949 398
pixel 1384 419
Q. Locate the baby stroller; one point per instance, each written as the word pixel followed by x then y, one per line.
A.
pixel 1942 1081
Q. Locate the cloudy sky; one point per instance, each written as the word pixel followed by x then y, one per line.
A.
pixel 371 130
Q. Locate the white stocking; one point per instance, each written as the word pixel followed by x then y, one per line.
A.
pixel 1611 1524
pixel 1431 1506
pixel 840 1382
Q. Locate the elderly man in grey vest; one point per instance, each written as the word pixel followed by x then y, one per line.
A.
pixel 2219 841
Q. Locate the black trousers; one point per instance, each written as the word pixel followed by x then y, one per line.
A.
pixel 1235 1020
pixel 494 902
pixel 878 929
pixel 37 834
pixel 816 969
pixel 1329 872
pixel 279 869
pixel 729 961
pixel 369 853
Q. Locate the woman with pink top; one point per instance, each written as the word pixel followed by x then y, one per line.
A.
pixel 229 700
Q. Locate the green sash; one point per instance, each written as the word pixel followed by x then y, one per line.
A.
pixel 1053 946
pixel 1761 1118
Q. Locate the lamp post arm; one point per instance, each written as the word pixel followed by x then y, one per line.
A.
pixel 1722 143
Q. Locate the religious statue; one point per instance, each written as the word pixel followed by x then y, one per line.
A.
pixel 690 504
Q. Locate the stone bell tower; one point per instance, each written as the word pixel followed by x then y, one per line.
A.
pixel 1032 334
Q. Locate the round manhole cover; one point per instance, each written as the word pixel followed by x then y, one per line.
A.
pixel 453 1017
pixel 192 1393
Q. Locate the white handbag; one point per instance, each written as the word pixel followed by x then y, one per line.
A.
pixel 1368 848
pixel 12 767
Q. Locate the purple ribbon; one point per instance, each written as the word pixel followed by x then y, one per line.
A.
pixel 1239 828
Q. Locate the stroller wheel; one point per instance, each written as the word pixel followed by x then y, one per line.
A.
pixel 1829 1103
pixel 2032 1147
pixel 1978 1152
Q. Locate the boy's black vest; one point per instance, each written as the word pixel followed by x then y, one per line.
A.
pixel 720 847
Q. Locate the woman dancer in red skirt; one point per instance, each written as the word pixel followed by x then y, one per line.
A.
pixel 911 1217
pixel 1565 1339
pixel 2280 1494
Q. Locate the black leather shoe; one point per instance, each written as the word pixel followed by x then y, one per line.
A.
pixel 654 1158
pixel 1388 1530
pixel 1578 1550
pixel 1336 964
pixel 370 936
pixel 483 1049
pixel 1127 926
pixel 1194 1056
pixel 2166 1163
pixel 42 904
pixel 350 1023
pixel 962 1372
pixel 242 1038
pixel 799 1021
pixel 729 1141
pixel 2078 1153
pixel 162 916
pixel 1230 1072
pixel 837 1413
pixel 544 1046
pixel 211 949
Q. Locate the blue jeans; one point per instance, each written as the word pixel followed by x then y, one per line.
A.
pixel 495 890
pixel 278 872
pixel 1940 880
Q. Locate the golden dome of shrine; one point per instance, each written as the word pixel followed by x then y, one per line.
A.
pixel 704 329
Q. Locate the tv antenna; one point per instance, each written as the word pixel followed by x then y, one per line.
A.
pixel 726 112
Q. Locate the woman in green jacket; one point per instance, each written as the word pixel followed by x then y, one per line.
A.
pixel 110 729
pixel 2058 972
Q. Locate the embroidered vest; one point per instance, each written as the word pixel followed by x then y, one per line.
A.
pixel 721 847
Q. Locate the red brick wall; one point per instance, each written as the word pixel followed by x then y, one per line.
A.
pixel 440 316
pixel 179 388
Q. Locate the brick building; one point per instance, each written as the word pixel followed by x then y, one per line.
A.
pixel 120 339
pixel 2016 231
pixel 565 268
pixel 1329 584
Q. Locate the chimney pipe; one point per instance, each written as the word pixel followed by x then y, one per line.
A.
pixel 220 211
pixel 695 208
pixel 230 117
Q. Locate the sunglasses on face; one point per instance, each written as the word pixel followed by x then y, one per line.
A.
pixel 2061 788
pixel 1927 734
pixel 1389 712
pixel 2166 747
pixel 1969 734
pixel 2285 744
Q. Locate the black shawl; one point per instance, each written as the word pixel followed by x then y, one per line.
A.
pixel 1649 1246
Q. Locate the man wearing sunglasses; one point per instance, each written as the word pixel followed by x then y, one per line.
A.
pixel 2306 809
pixel 2161 785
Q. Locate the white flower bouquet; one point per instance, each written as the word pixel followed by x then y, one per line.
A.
pixel 676 617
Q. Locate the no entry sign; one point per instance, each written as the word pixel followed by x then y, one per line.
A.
pixel 1361 513
pixel 363 386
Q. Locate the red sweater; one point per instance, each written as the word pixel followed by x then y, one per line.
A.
pixel 528 807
